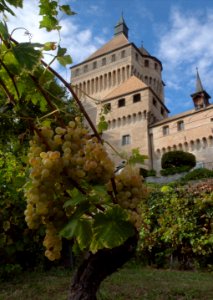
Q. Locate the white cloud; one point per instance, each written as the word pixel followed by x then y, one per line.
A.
pixel 80 43
pixel 187 43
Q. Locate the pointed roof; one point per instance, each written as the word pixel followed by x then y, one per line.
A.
pixel 117 42
pixel 132 84
pixel 199 86
pixel 121 27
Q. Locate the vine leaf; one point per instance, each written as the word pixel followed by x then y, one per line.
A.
pixel 4 31
pixel 76 198
pixel 110 229
pixel 27 56
pixel 50 23
pixel 67 10
pixel 81 230
pixel 62 58
pixel 102 125
pixel 136 157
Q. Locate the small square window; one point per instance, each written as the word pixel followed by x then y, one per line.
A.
pixel 146 63
pixel 104 61
pixel 113 58
pixel 123 53
pixel 126 139
pixel 136 98
pixel 94 65
pixel 121 102
pixel 86 68
pixel 165 130
pixel 180 125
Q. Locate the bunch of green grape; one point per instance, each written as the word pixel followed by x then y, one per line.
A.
pixel 130 192
pixel 59 160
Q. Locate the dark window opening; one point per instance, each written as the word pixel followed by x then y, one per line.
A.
pixel 121 102
pixel 146 63
pixel 94 64
pixel 154 101
pixel 136 98
pixel 180 125
pixel 165 130
pixel 104 61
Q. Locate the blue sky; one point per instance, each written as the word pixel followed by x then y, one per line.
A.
pixel 179 33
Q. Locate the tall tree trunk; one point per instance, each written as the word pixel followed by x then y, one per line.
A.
pixel 97 267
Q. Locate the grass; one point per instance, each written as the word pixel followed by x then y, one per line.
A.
pixel 130 283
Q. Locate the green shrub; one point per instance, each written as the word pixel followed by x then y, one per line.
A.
pixel 175 170
pixel 198 174
pixel 151 173
pixel 177 159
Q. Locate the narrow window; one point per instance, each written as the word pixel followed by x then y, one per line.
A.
pixel 136 98
pixel 94 64
pixel 104 61
pixel 125 139
pixel 154 102
pixel 165 130
pixel 86 68
pixel 180 125
pixel 156 66
pixel 113 58
pixel 121 102
pixel 76 72
pixel 136 56
pixel 123 53
pixel 146 63
pixel 162 111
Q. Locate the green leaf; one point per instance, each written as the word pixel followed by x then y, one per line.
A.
pixel 79 229
pixel 27 56
pixel 136 157
pixel 110 229
pixel 76 198
pixel 48 7
pixel 67 10
pixel 102 125
pixel 4 31
pixel 61 51
pixel 49 22
pixel 49 46
pixel 64 60
pixel 16 3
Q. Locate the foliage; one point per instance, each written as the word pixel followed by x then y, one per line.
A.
pixel 178 225
pixel 18 245
pixel 197 174
pixel 177 159
pixel 71 189
pixel 174 170
pixel 151 173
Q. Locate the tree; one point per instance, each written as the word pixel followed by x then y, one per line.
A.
pixel 72 190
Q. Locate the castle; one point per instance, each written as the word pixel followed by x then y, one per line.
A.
pixel 127 82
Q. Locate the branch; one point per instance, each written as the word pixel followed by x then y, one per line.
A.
pixel 7 92
pixel 11 77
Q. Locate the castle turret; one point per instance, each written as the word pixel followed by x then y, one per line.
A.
pixel 200 97
pixel 121 27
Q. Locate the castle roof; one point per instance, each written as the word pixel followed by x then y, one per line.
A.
pixel 115 43
pixel 131 85
pixel 181 116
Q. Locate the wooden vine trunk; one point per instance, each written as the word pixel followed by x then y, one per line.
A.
pixel 97 267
